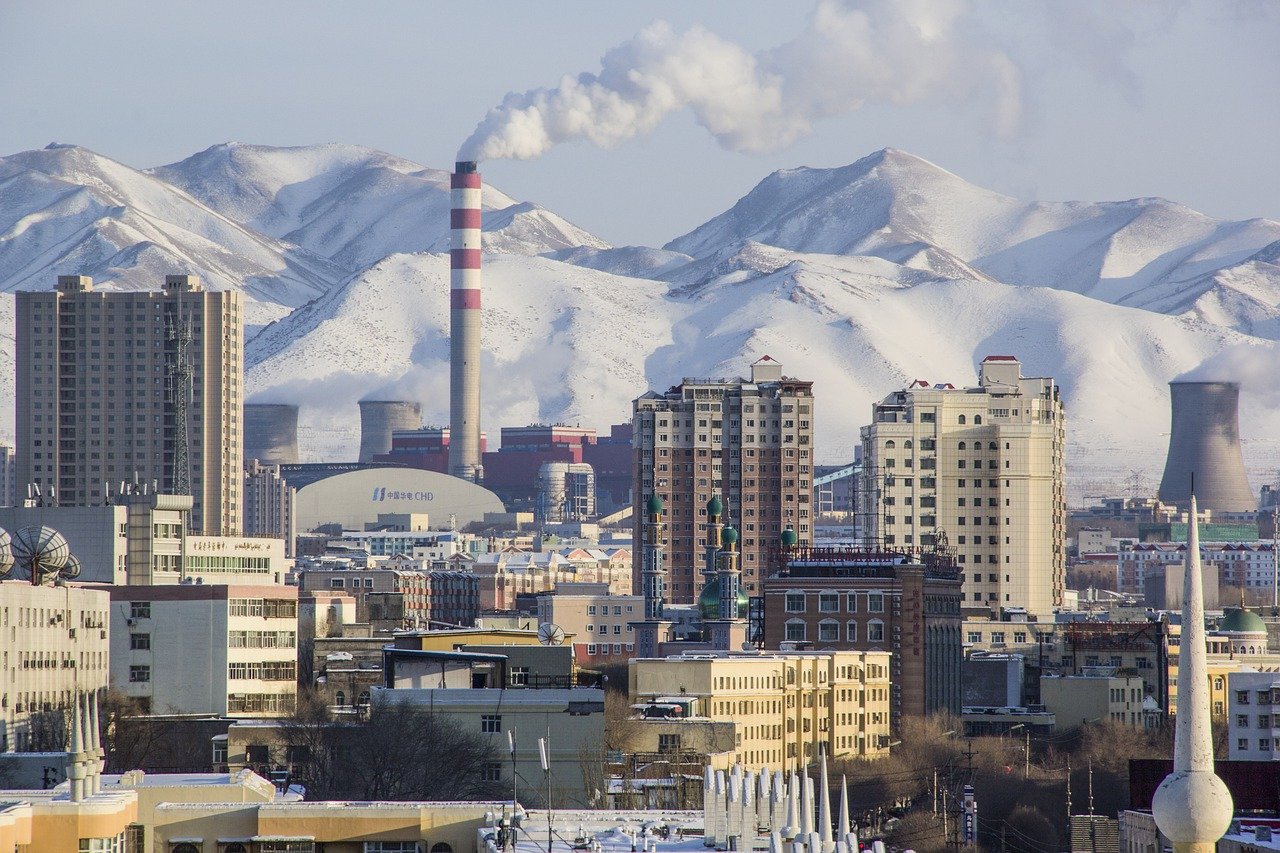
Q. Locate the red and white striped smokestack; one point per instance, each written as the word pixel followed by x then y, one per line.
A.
pixel 464 325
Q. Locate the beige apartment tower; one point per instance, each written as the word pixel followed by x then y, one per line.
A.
pixel 748 441
pixel 99 383
pixel 981 469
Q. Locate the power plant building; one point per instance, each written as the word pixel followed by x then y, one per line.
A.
pixel 271 433
pixel 379 420
pixel 980 470
pixel 1204 447
pixel 748 441
pixel 101 379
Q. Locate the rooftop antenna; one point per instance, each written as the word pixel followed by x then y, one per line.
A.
pixel 181 392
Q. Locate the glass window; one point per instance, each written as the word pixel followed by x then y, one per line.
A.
pixel 795 629
pixel 828 631
pixel 490 723
pixel 875 602
pixel 875 631
pixel 795 602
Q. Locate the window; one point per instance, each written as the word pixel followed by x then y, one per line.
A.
pixel 491 771
pixel 795 602
pixel 828 631
pixel 591 610
pixel 1242 719
pixel 139 674
pixel 828 602
pixel 1242 743
pixel 975 637
pixel 875 631
pixel 177 848
pixel 1242 697
pixel 669 743
pixel 139 642
pixel 139 609
pixel 392 847
pixel 490 723
pixel 1020 636
pixel 851 631
pixel 997 638
pixel 794 629
pixel 875 602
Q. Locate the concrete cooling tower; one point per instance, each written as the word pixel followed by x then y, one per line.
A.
pixel 380 418
pixel 271 433
pixel 1204 441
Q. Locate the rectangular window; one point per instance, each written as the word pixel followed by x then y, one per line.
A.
pixel 139 674
pixel 875 602
pixel 875 632
pixel 828 602
pixel 668 743
pixel 851 632
pixel 490 723
pixel 795 602
pixel 491 771
pixel 139 642
pixel 139 609
pixel 795 630
pixel 829 631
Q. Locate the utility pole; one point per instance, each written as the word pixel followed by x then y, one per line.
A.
pixel 1026 769
pixel 935 792
pixel 544 749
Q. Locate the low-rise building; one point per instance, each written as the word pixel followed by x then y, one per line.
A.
pixel 205 648
pixel 509 573
pixel 54 644
pixel 902 601
pixel 1099 694
pixel 400 593
pixel 599 621
pixel 782 707
pixel 1253 721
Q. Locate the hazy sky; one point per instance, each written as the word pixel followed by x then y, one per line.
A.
pixel 1117 99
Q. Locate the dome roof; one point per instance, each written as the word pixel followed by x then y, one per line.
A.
pixel 790 538
pixel 1237 620
pixel 715 506
pixel 709 600
pixel 729 537
pixel 654 505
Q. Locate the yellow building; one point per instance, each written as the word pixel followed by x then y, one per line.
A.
pixel 763 710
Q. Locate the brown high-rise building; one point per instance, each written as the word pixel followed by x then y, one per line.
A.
pixel 748 441
pixel 100 383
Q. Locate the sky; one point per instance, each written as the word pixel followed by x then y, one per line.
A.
pixel 1055 100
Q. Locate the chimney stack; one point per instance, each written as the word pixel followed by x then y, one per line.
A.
pixel 464 325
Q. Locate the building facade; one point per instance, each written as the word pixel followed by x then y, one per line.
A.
pixel 269 504
pixel 908 604
pixel 784 706
pixel 54 647
pixel 983 470
pixel 1253 721
pixel 98 380
pixel 206 649
pixel 1100 694
pixel 748 441
pixel 599 622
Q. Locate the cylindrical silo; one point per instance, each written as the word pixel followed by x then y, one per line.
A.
pixel 380 418
pixel 1204 444
pixel 271 433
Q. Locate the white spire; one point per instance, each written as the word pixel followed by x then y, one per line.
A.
pixel 791 827
pixel 844 807
pixel 76 761
pixel 806 804
pixel 1192 806
pixel 824 810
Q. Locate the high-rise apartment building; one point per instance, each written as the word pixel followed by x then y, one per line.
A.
pixel 748 441
pixel 101 377
pixel 8 476
pixel 980 470
pixel 269 504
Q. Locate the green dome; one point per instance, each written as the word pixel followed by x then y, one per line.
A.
pixel 790 538
pixel 1237 620
pixel 714 506
pixel 709 601
pixel 654 505
pixel 729 537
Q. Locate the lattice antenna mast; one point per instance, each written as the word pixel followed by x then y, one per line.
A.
pixel 181 389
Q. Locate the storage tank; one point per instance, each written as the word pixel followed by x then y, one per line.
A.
pixel 379 419
pixel 271 433
pixel 1204 442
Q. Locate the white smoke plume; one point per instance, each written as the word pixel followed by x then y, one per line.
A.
pixel 851 52
pixel 1254 366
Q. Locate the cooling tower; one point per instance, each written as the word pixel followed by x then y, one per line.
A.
pixel 271 433
pixel 464 324
pixel 1204 441
pixel 380 418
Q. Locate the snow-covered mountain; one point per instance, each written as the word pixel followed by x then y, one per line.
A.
pixel 863 278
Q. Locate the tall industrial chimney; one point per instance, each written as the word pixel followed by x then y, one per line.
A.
pixel 380 418
pixel 271 433
pixel 464 325
pixel 1204 442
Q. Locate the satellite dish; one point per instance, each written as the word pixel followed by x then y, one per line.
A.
pixel 6 553
pixel 71 569
pixel 42 551
pixel 550 634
